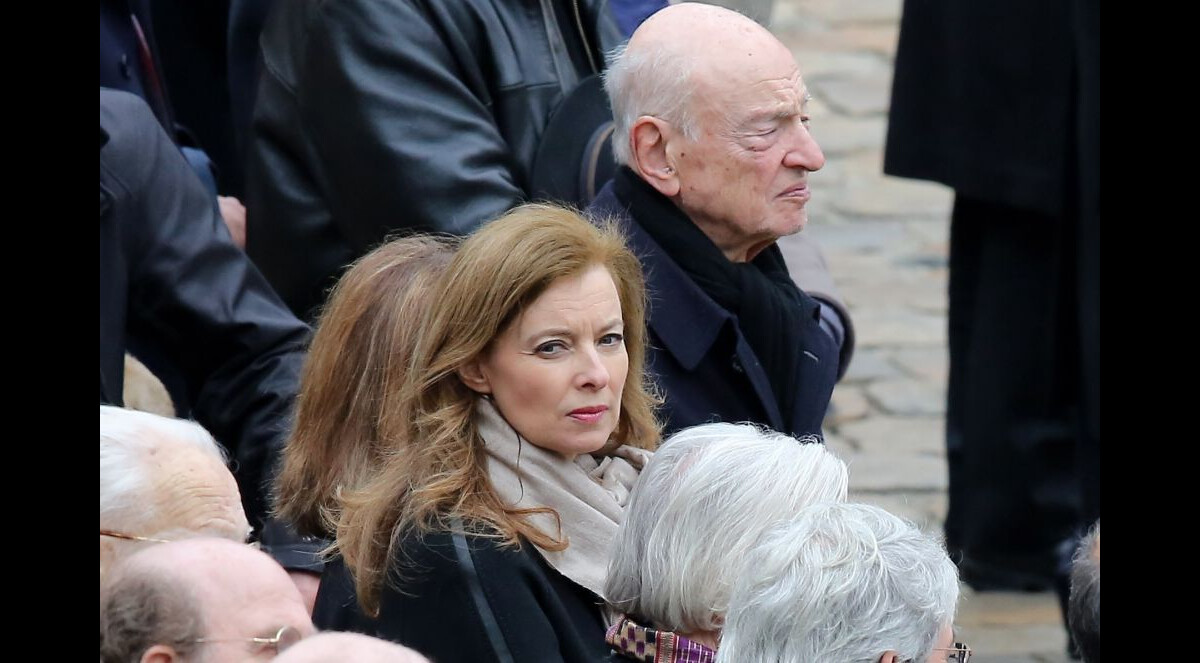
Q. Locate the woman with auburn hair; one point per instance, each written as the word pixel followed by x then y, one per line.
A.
pixel 358 356
pixel 519 428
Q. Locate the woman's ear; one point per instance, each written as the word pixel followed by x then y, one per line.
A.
pixel 472 375
pixel 888 657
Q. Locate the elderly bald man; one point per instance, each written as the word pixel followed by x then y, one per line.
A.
pixel 201 599
pixel 162 479
pixel 334 647
pixel 711 130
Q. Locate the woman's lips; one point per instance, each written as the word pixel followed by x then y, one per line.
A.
pixel 588 415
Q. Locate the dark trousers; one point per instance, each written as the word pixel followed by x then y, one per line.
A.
pixel 1021 415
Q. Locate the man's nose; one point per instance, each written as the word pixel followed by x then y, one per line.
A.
pixel 804 152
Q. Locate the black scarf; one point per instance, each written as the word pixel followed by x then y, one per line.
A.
pixel 770 309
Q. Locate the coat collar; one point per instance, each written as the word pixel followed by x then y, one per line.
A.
pixel 685 319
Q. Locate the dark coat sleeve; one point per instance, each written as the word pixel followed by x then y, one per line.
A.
pixel 471 600
pixel 403 120
pixel 190 292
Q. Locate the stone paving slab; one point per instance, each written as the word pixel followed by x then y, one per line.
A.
pixel 882 473
pixel 876 194
pixel 822 64
pixel 868 364
pixel 857 96
pixel 897 328
pixel 907 397
pixel 846 405
pixel 841 135
pixel 850 11
pixel 921 436
pixel 930 364
pixel 864 236
pixel 880 39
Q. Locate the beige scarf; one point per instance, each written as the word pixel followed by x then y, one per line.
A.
pixel 588 494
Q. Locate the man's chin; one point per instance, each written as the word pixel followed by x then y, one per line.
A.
pixel 794 225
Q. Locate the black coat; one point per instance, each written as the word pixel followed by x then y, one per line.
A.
pixel 467 599
pixel 988 98
pixel 378 115
pixel 171 279
pixel 699 357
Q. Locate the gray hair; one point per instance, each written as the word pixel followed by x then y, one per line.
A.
pixel 1083 608
pixel 840 582
pixel 707 494
pixel 142 608
pixel 653 79
pixel 127 439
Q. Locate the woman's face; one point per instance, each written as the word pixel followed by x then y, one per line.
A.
pixel 557 372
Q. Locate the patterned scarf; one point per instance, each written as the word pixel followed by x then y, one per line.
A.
pixel 645 644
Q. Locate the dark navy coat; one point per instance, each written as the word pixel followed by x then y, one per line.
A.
pixel 699 357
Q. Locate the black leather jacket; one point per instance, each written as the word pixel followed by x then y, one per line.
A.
pixel 172 281
pixel 377 115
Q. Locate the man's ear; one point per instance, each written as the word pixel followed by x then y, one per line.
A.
pixel 649 138
pixel 888 657
pixel 160 654
pixel 472 375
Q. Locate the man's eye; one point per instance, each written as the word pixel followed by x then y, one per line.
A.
pixel 611 340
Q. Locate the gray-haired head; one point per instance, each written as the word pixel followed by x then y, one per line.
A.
pixel 652 80
pixel 162 478
pixel 707 494
pixel 841 582
pixel 1083 608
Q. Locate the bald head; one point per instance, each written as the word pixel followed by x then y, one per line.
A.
pixel 672 60
pixel 334 647
pixel 703 31
pixel 162 478
pixel 228 593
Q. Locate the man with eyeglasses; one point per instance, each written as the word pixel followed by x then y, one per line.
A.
pixel 199 599
pixel 162 478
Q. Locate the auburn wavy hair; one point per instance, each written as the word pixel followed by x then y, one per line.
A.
pixel 359 354
pixel 435 467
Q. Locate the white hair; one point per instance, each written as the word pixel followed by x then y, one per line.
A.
pixel 127 440
pixel 707 494
pixel 840 582
pixel 653 79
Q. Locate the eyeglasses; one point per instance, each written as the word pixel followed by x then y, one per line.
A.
pixel 130 537
pixel 960 653
pixel 285 637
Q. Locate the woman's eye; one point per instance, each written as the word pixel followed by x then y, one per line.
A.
pixel 611 340
pixel 550 348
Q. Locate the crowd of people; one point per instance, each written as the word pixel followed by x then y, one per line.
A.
pixel 454 418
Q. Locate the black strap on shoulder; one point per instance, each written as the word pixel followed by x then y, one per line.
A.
pixel 465 562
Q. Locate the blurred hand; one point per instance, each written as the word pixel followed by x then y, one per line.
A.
pixel 234 214
pixel 307 582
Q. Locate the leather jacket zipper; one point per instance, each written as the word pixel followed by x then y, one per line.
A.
pixel 587 47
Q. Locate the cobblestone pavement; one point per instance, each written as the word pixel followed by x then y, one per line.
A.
pixel 886 242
